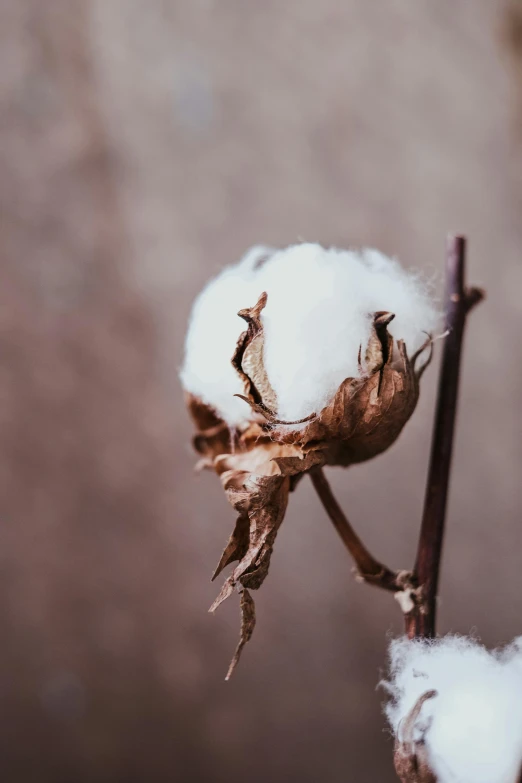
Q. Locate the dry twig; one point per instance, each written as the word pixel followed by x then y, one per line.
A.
pixel 459 301
pixel 419 587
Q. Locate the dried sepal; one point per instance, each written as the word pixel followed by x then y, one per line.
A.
pixel 260 499
pixel 380 344
pixel 213 436
pixel 261 503
pixel 236 547
pixel 248 622
pixel 263 499
pixel 248 359
pixel 411 757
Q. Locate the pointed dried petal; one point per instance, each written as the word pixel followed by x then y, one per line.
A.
pixel 225 592
pixel 268 501
pixel 253 540
pixel 248 622
pixel 237 545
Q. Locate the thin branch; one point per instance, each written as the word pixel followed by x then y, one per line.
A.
pixel 369 569
pixel 459 301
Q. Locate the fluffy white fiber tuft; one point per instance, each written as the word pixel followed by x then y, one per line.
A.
pixel 473 727
pixel 317 315
pixel 212 335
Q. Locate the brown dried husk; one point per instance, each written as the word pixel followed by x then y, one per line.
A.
pixel 366 414
pixel 411 756
pixel 259 465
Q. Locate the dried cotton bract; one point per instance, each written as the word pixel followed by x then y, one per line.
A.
pixel 319 368
pixel 456 711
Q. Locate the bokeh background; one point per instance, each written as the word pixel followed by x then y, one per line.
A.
pixel 144 144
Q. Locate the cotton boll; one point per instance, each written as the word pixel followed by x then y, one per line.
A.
pixel 317 317
pixel 213 333
pixel 311 343
pixel 473 727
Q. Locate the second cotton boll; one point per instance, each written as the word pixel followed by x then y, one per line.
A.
pixel 459 706
pixel 318 313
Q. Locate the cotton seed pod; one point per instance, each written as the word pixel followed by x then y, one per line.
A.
pixel 261 463
pixel 366 414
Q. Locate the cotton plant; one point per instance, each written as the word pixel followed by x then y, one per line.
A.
pixel 296 359
pixel 455 709
pixel 308 357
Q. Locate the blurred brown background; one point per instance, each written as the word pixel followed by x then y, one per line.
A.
pixel 144 144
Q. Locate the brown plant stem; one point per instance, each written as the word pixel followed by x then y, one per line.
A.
pixel 369 569
pixel 420 586
pixel 420 622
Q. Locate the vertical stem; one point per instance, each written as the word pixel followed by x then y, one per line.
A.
pixel 421 621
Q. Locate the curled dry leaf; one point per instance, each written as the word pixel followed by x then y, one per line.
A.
pixel 261 464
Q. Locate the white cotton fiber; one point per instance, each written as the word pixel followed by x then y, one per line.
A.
pixel 316 317
pixel 473 727
pixel 213 332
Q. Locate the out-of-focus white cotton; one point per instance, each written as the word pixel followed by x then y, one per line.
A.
pixel 473 727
